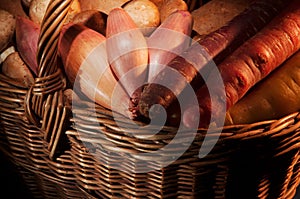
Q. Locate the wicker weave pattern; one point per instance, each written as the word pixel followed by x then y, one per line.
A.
pixel 276 143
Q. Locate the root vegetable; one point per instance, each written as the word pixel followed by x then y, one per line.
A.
pixel 217 13
pixel 158 3
pixel 93 19
pixel 27 35
pixel 249 64
pixel 84 58
pixel 274 97
pixel 26 3
pixel 169 6
pixel 14 7
pixel 218 45
pixel 104 6
pixel 38 9
pixel 6 53
pixel 127 50
pixel 175 32
pixel 144 13
pixel 7 28
pixel 14 67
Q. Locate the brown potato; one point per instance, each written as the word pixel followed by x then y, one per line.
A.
pixel 38 9
pixel 104 6
pixel 14 7
pixel 15 68
pixel 170 6
pixel 26 3
pixel 215 14
pixel 144 13
pixel 6 53
pixel 7 28
pixel 158 3
pixel 93 19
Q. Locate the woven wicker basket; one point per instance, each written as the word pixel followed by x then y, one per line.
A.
pixel 58 159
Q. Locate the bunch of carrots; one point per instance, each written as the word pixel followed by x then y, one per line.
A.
pixel 246 51
pixel 256 54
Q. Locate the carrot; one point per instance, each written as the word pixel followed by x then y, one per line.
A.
pixel 274 97
pixel 249 64
pixel 218 45
pixel 174 31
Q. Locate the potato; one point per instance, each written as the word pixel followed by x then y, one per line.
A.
pixel 216 13
pixel 93 19
pixel 7 28
pixel 14 7
pixel 170 6
pixel 38 9
pixel 104 6
pixel 6 53
pixel 14 67
pixel 144 13
pixel 158 3
pixel 26 3
pixel 74 10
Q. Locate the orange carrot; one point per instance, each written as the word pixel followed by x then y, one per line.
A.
pixel 249 64
pixel 218 45
pixel 274 97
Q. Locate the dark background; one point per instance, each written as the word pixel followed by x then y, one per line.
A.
pixel 12 185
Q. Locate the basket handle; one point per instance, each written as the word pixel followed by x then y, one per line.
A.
pixel 44 103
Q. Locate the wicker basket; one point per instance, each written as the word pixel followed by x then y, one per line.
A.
pixel 58 159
